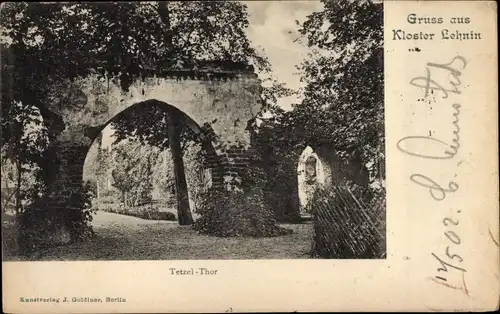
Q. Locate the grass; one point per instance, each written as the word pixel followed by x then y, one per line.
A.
pixel 120 237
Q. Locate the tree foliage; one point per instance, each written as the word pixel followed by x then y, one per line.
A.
pixel 343 96
pixel 52 42
pixel 343 103
pixel 163 173
pixel 149 126
pixel 29 136
pixel 241 211
pixel 44 44
pixel 342 106
pixel 22 151
pixel 132 172
pixel 56 41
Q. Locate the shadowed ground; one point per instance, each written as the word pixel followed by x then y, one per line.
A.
pixel 120 237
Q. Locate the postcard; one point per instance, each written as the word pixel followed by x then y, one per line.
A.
pixel 249 156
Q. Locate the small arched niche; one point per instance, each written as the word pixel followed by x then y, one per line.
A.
pixel 311 175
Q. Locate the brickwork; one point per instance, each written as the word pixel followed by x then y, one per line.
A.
pixel 216 107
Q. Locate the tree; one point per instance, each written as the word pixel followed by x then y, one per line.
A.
pixel 54 43
pixel 132 171
pixel 28 139
pixel 276 146
pixel 200 32
pixel 121 173
pixel 101 166
pixel 163 173
pixel 343 102
pixel 8 183
pixel 143 192
pixel 197 183
pixel 175 127
pixel 342 106
pixel 57 42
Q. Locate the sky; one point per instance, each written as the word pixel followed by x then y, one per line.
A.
pixel 272 28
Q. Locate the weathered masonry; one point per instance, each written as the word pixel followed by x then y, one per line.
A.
pixel 216 105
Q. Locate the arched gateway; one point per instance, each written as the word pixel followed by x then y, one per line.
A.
pixel 219 104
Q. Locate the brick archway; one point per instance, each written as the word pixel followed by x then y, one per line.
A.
pixel 218 103
pixel 74 143
pixel 206 135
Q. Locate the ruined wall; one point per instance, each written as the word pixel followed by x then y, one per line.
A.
pixel 217 106
pixel 226 105
pixel 331 170
pixel 220 107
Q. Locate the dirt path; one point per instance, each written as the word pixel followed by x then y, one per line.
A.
pixel 111 221
pixel 120 237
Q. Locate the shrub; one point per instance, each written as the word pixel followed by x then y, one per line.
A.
pixel 281 190
pixel 279 178
pixel 348 224
pixel 111 193
pixel 225 214
pixel 160 216
pixel 44 224
pixel 108 197
pixel 238 209
pixel 92 187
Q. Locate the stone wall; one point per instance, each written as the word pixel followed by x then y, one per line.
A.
pixel 331 170
pixel 226 105
pixel 216 108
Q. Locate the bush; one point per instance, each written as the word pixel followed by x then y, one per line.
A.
pixel 144 212
pixel 227 214
pixel 238 209
pixel 281 191
pixel 280 184
pixel 92 187
pixel 348 224
pixel 43 223
pixel 112 193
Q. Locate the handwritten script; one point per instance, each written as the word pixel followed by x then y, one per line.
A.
pixel 440 150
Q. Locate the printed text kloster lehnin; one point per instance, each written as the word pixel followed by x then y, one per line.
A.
pixel 457 33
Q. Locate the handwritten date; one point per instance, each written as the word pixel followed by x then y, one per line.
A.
pixel 432 148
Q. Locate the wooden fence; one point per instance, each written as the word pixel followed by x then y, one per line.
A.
pixel 348 225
